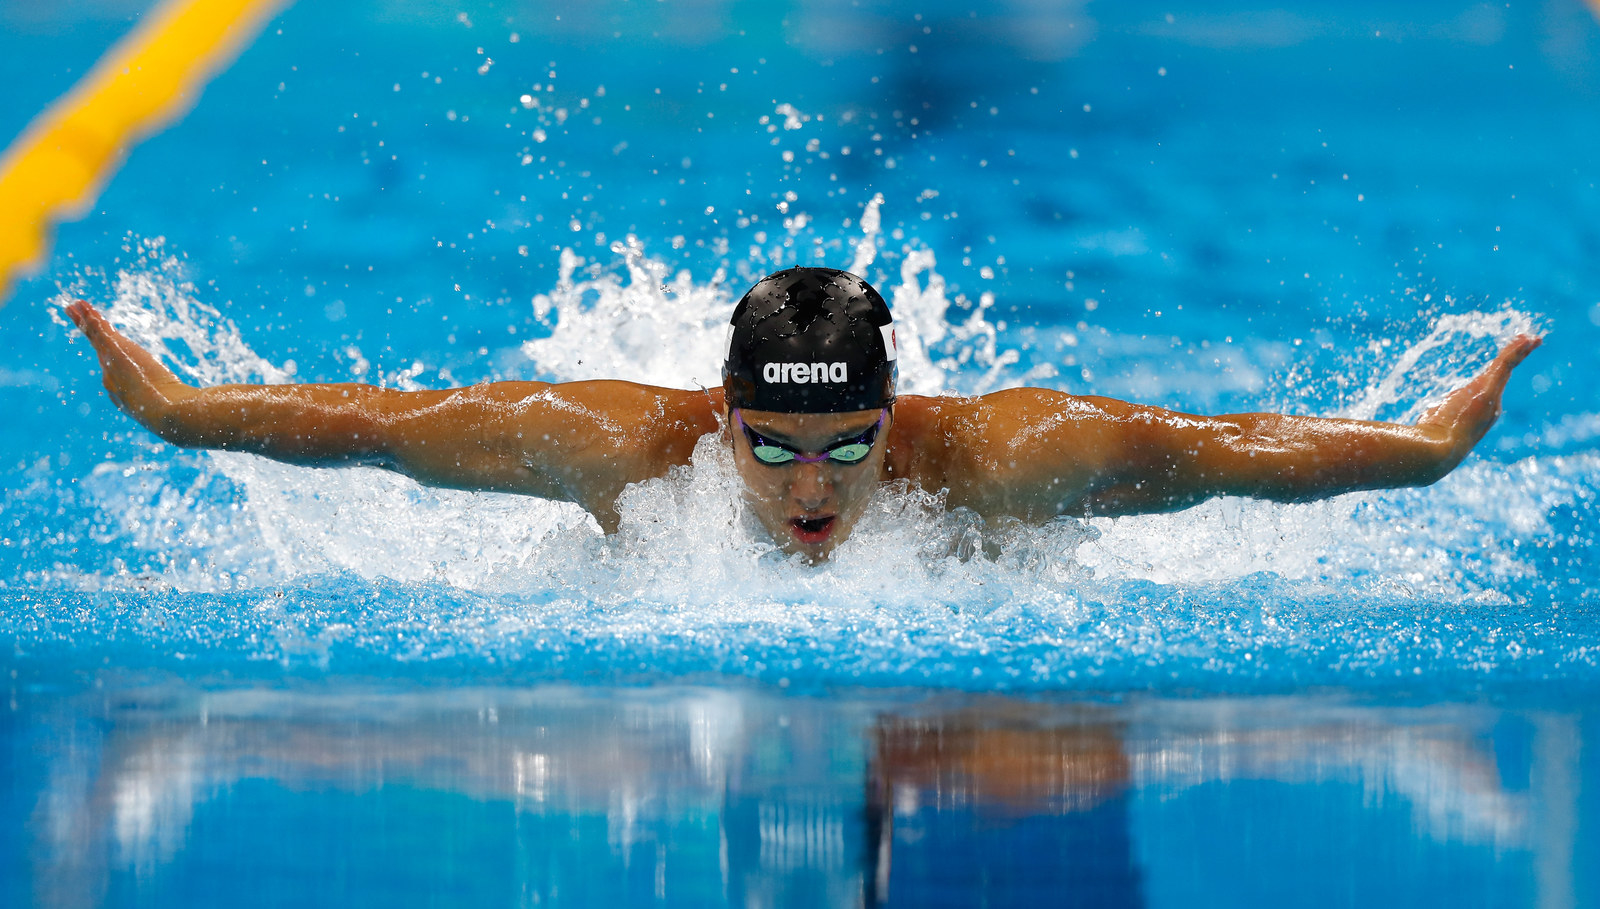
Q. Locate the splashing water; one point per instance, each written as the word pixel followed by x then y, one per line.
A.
pixel 1424 372
pixel 1237 590
pixel 642 331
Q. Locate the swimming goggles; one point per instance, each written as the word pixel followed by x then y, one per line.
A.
pixel 775 454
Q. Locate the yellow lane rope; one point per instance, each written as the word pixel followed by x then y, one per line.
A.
pixel 56 168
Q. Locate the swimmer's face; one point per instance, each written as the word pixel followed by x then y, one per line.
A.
pixel 809 507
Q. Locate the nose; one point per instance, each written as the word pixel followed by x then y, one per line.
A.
pixel 811 487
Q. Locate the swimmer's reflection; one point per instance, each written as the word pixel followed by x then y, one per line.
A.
pixel 988 807
pixel 712 797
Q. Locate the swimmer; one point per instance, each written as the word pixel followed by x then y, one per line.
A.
pixel 808 405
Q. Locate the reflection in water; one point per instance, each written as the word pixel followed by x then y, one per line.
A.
pixel 991 805
pixel 573 796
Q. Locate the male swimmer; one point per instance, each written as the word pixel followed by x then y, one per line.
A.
pixel 808 403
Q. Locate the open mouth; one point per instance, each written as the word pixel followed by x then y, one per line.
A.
pixel 812 530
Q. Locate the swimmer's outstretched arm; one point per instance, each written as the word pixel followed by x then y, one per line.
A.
pixel 578 442
pixel 1043 453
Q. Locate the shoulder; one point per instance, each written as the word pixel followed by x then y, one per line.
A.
pixel 627 428
pixel 979 446
pixel 600 436
pixel 609 403
pixel 938 441
pixel 1004 417
pixel 655 428
pixel 605 394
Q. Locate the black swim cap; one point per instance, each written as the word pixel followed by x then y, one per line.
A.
pixel 811 340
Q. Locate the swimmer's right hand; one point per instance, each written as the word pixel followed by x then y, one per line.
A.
pixel 138 383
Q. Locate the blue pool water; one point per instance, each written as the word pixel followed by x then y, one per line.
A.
pixel 233 680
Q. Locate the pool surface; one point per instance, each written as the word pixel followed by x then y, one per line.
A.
pixel 236 681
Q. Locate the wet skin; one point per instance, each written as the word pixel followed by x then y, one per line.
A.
pixel 1030 453
pixel 808 508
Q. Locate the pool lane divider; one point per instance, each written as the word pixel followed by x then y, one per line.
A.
pixel 57 167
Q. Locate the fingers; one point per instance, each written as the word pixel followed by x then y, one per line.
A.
pixel 89 320
pixel 81 313
pixel 1517 350
pixel 130 373
pixel 1482 395
pixel 1497 373
pixel 110 344
pixel 95 327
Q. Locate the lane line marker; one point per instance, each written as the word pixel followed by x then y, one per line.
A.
pixel 57 167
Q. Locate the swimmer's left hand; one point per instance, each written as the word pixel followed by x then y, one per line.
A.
pixel 1468 412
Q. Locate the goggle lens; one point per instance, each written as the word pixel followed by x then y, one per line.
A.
pixel 849 454
pixel 852 452
pixel 771 454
